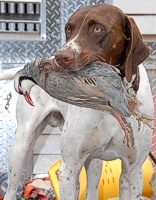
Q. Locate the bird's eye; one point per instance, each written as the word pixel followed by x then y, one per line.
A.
pixel 68 30
pixel 97 30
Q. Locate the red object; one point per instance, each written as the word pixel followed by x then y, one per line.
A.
pixel 29 190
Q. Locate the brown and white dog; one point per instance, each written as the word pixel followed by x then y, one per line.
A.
pixel 103 32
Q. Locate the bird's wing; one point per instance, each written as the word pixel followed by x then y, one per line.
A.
pixel 109 82
pixel 98 84
pixel 78 91
pixel 75 87
pixel 116 94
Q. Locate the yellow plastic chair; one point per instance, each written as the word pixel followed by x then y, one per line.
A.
pixel 109 181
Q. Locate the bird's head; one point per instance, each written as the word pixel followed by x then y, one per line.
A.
pixel 33 73
pixel 23 85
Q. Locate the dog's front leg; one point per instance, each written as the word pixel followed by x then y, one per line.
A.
pixel 131 182
pixel 31 121
pixel 80 138
pixel 74 148
pixel 93 171
pixel 69 179
pixel 18 157
pixel 28 130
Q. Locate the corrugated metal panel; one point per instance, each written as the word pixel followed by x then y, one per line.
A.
pixel 46 151
pixel 48 130
pixel 143 12
pixel 146 24
pixel 136 7
pixel 22 20
pixel 43 162
pixel 47 144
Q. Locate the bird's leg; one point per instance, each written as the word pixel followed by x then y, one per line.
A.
pixel 128 139
pixel 144 119
pixel 140 117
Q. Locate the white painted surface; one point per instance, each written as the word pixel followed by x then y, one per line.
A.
pixel 51 130
pixel 136 6
pixel 46 150
pixel 143 12
pixel 47 144
pixel 146 24
pixel 43 163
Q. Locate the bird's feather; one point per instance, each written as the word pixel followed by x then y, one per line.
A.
pixel 96 85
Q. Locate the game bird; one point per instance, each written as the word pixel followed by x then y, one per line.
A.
pixel 97 85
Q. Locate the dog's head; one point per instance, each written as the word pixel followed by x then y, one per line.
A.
pixel 102 32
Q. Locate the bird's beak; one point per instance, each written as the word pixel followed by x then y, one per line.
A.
pixel 26 96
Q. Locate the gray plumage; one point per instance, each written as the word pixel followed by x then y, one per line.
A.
pixel 96 85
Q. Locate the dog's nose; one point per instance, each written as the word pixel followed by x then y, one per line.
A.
pixel 64 58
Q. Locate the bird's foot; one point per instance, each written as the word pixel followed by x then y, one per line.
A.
pixel 145 119
pixel 128 139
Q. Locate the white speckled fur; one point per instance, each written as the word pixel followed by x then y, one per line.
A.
pixel 94 134
pixel 72 44
pixel 87 134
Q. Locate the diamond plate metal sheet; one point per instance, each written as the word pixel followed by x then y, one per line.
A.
pixel 57 14
pixel 24 51
pixel 151 60
pixel 7 120
pixel 92 2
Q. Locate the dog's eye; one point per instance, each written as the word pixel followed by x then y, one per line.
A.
pixel 97 30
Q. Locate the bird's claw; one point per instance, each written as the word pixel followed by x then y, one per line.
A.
pixel 128 138
pixel 144 119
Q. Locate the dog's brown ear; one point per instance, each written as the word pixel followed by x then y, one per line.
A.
pixel 137 51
